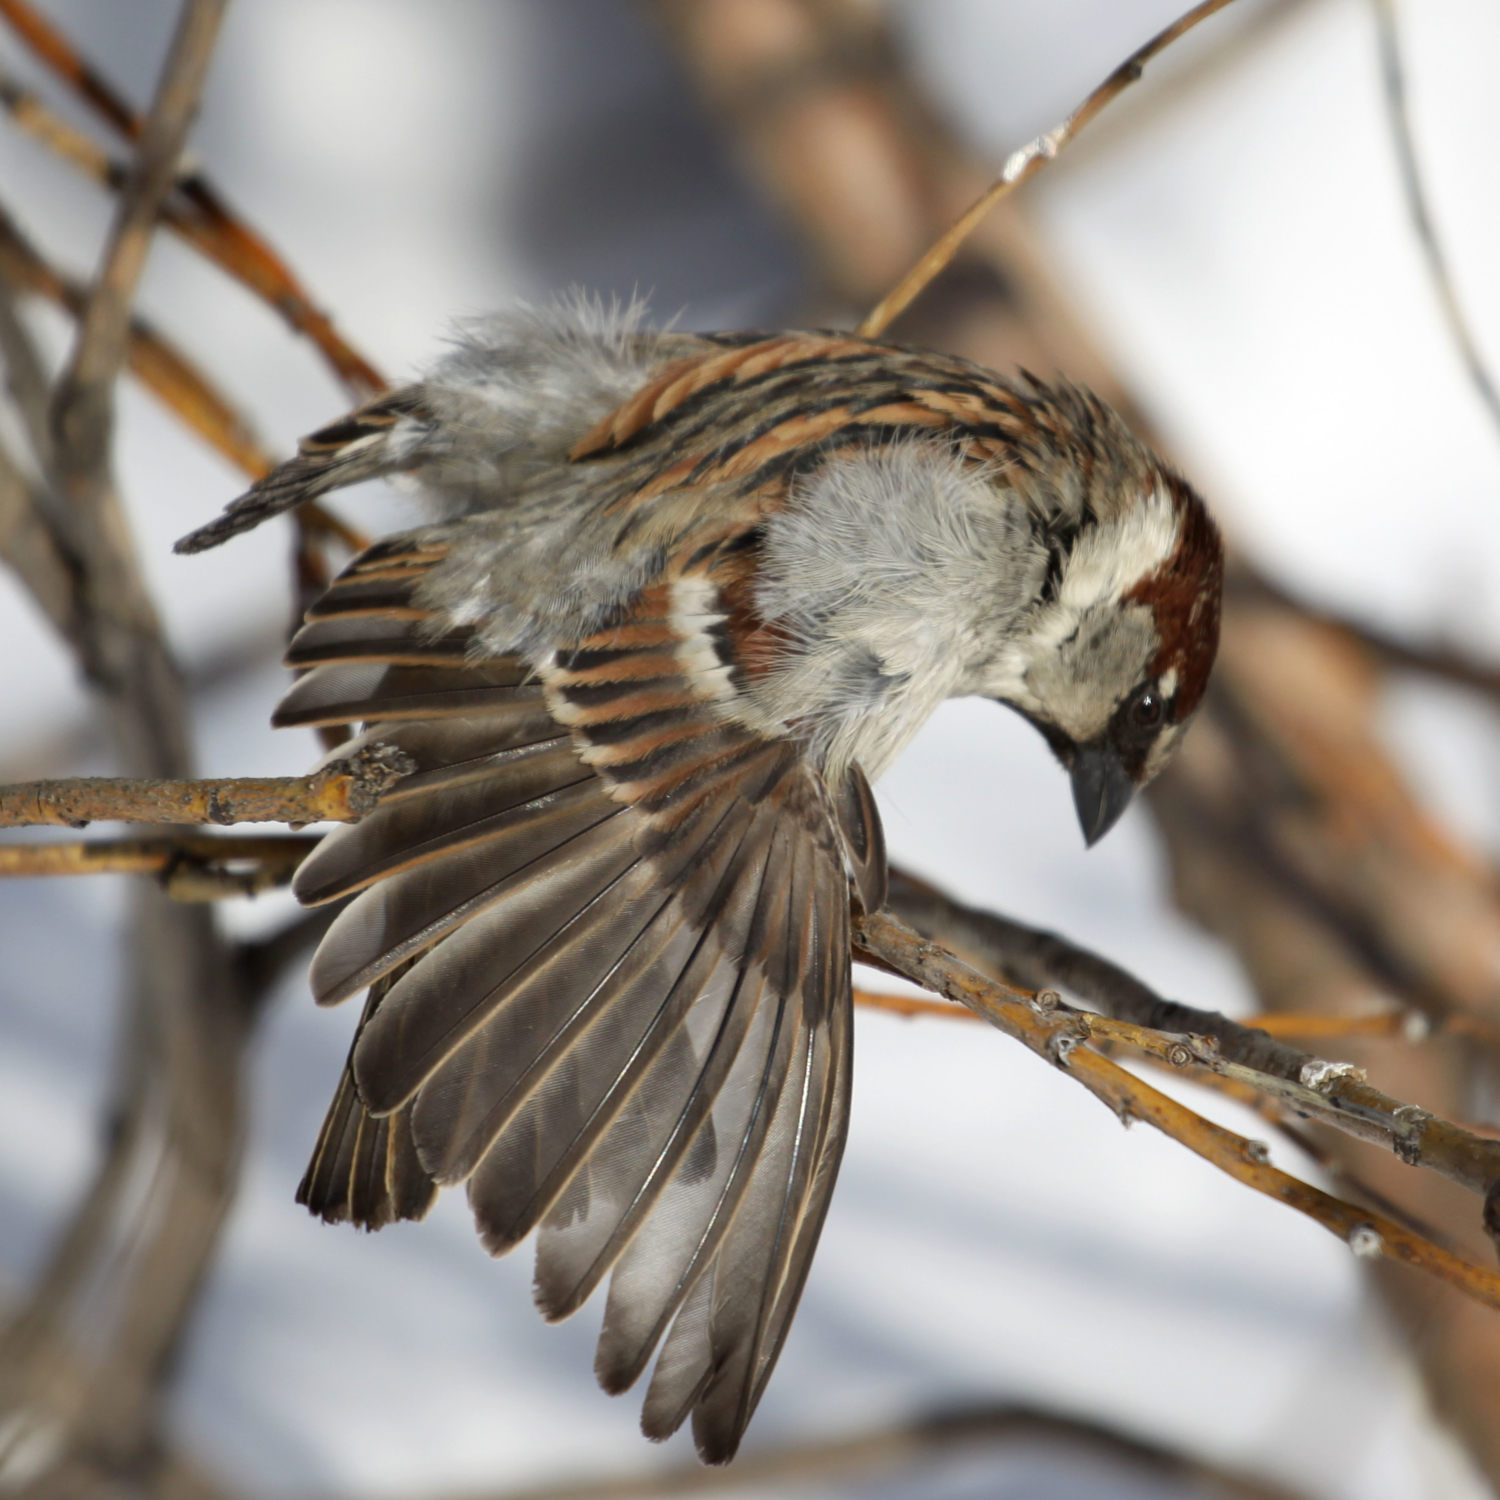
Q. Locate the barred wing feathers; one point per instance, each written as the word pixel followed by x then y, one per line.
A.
pixel 605 931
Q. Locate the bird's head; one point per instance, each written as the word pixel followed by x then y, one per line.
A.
pixel 1113 657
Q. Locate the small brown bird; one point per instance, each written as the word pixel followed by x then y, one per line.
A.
pixel 684 597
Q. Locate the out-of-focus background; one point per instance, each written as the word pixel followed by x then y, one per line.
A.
pixel 1234 235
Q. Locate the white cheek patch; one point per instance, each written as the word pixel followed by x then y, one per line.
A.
pixel 1105 565
pixel 1109 561
pixel 1041 673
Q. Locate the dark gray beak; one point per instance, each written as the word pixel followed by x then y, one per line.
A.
pixel 1102 790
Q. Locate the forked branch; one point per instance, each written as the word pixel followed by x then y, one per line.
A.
pixel 1062 1037
pixel 1183 1036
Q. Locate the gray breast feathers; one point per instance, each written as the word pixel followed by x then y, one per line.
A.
pixel 890 573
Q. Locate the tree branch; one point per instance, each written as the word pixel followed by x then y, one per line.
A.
pixel 1060 1035
pixel 158 364
pixel 82 408
pixel 51 47
pixel 30 547
pixel 188 869
pixel 1033 959
pixel 342 792
pixel 175 381
pixel 1183 1036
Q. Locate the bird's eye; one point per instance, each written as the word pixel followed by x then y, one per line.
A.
pixel 1146 709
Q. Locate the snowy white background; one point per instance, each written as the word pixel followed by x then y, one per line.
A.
pixel 995 1234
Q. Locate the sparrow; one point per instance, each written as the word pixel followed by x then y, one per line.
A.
pixel 681 599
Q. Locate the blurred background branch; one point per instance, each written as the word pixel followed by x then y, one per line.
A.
pixel 1393 79
pixel 891 1450
pixel 84 1360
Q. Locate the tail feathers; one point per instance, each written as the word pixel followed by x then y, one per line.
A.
pixel 364 1170
pixel 365 444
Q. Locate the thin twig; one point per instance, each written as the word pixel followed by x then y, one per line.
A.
pixel 188 869
pixel 196 210
pixel 49 44
pixel 196 213
pixel 1185 1036
pixel 1061 1036
pixel 1395 1023
pixel 909 1007
pixel 45 126
pixel 1023 165
pixel 1344 1177
pixel 1230 50
pixel 1393 79
pixel 1275 1112
pixel 165 371
pixel 1332 1094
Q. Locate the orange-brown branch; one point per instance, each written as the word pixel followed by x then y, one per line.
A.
pixel 196 210
pixel 341 793
pixel 1061 1036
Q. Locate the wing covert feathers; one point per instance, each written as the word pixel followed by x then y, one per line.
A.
pixel 605 934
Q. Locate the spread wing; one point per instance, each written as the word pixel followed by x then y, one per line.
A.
pixel 605 933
